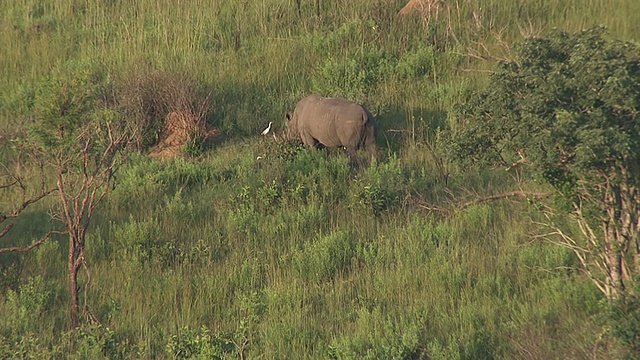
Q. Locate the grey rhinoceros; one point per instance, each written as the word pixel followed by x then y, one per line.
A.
pixel 333 122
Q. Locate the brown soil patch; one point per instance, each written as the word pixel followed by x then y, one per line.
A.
pixel 179 128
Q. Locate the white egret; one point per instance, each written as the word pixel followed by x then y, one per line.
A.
pixel 266 131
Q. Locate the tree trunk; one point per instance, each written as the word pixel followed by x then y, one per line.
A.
pixel 619 235
pixel 74 305
pixel 630 226
pixel 616 283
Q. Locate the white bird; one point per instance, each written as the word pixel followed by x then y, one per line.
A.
pixel 266 131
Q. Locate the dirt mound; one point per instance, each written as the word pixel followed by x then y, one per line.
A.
pixel 180 127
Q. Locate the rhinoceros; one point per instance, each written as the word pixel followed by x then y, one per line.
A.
pixel 333 122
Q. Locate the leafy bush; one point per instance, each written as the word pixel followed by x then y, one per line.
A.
pixel 416 63
pixel 356 67
pixel 622 316
pixel 567 108
pixel 66 101
pixel 198 344
pixel 243 221
pixel 195 144
pixel 24 307
pixel 324 258
pixel 377 336
pixel 24 346
pixel 379 187
pixel 269 194
pixel 341 78
pixel 349 35
pixel 21 319
pixel 97 342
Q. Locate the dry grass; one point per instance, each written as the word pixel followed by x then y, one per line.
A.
pixel 180 127
pixel 161 106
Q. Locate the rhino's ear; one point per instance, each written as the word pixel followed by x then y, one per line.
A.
pixel 288 115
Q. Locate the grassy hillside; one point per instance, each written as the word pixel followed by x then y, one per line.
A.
pixel 295 255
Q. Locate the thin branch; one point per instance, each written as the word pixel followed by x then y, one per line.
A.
pixel 6 229
pixel 399 131
pixel 24 201
pixel 33 245
pixel 588 258
pixel 457 206
pixel 8 185
pixel 431 207
pixel 508 195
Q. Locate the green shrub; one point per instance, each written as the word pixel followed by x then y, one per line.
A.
pixel 66 101
pixel 97 342
pixel 341 78
pixel 356 76
pixel 268 195
pixel 380 187
pixel 287 150
pixel 198 344
pixel 23 308
pixel 379 336
pixel 195 145
pixel 416 63
pixel 448 350
pixel 243 221
pixel 562 108
pixel 25 346
pixel 324 258
pixel 622 316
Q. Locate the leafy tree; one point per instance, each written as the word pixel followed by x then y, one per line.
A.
pixel 568 107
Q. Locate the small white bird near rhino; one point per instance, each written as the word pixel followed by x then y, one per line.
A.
pixel 333 122
pixel 266 131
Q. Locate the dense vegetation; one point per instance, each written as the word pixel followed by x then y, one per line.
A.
pixel 293 254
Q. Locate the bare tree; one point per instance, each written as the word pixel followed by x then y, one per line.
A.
pixel 83 179
pixel 73 140
pixel 83 175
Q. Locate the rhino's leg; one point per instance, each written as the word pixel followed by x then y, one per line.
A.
pixel 351 153
pixel 370 142
pixel 309 141
pixel 371 148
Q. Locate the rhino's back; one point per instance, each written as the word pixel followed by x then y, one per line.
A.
pixel 314 106
pixel 332 121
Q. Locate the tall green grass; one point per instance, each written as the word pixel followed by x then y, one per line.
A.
pixel 295 253
pixel 311 266
pixel 266 48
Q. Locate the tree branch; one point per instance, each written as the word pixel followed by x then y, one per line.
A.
pixel 508 195
pixel 33 245
pixel 6 229
pixel 479 200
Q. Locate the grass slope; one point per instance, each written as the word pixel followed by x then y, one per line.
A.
pixel 294 255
